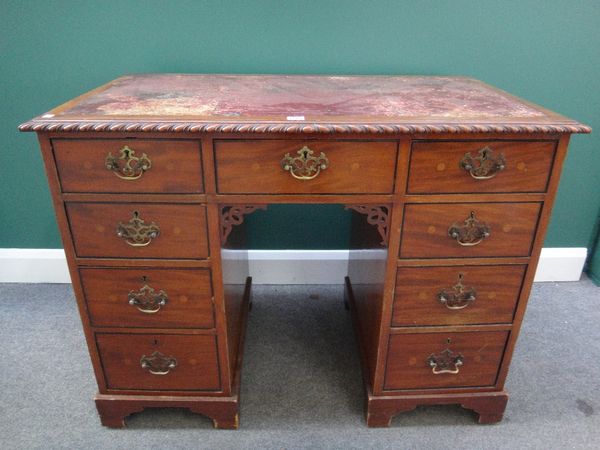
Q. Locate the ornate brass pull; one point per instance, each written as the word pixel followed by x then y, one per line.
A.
pixel 136 232
pixel 469 233
pixel 445 362
pixel 485 165
pixel 147 300
pixel 157 363
pixel 305 166
pixel 132 168
pixel 457 297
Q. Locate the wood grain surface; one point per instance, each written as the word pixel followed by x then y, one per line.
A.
pixel 425 231
pixel 254 167
pixel 176 165
pixel 416 298
pixel 435 166
pixel 189 292
pixel 407 366
pixel 182 230
pixel 197 367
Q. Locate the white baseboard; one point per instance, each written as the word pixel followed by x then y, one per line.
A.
pixel 33 265
pixel 561 264
pixel 267 266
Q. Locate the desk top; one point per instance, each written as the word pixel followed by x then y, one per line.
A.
pixel 300 104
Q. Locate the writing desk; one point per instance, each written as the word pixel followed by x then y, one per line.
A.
pixel 450 181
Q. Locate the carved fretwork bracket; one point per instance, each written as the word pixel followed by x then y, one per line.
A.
pixel 377 215
pixel 234 215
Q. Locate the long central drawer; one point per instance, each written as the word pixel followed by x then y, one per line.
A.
pixel 272 166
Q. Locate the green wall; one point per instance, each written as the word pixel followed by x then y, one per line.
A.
pixel 546 51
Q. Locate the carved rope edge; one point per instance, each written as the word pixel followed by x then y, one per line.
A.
pixel 195 127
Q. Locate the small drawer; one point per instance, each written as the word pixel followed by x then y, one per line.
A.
pixel 129 165
pixel 480 166
pixel 155 298
pixel 463 230
pixel 147 230
pixel 161 362
pixel 333 167
pixel 460 295
pixel 444 360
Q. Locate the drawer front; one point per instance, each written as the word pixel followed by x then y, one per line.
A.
pixel 444 360
pixel 458 295
pixel 156 298
pixel 142 361
pixel 480 166
pixel 255 166
pixel 127 165
pixel 181 230
pixel 429 229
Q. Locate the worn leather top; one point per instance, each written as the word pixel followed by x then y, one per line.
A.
pixel 305 104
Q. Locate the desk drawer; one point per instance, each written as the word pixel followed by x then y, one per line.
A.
pixel 466 230
pixel 480 166
pixel 255 166
pixel 114 165
pixel 444 360
pixel 155 298
pixel 148 230
pixel 159 361
pixel 459 295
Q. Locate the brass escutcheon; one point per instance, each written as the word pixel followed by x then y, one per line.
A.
pixel 136 232
pixel 127 166
pixel 457 297
pixel 469 233
pixel 157 363
pixel 305 166
pixel 147 300
pixel 485 165
pixel 445 362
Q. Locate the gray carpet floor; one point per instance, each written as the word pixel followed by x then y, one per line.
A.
pixel 301 384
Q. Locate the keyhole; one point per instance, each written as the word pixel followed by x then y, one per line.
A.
pixel 155 341
pixel 144 278
pixel 449 341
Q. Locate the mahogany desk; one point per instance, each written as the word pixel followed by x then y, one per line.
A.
pixel 450 181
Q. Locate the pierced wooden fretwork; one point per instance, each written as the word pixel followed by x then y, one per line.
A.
pixel 377 215
pixel 234 215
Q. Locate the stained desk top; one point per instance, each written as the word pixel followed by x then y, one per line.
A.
pixel 300 104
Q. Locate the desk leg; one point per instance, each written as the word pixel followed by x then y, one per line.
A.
pixel 489 406
pixel 113 409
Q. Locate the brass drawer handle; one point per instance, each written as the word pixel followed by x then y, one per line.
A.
pixel 127 166
pixel 305 166
pixel 157 363
pixel 445 362
pixel 485 165
pixel 457 297
pixel 136 232
pixel 147 300
pixel 471 232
